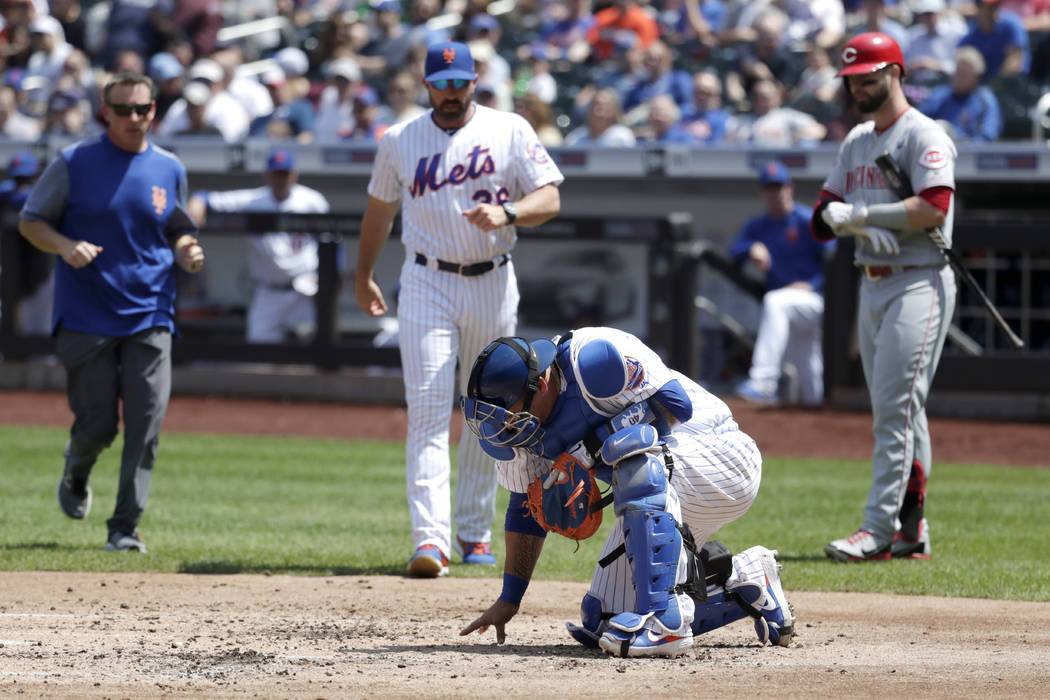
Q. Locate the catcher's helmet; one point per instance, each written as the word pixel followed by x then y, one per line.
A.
pixel 507 371
pixel 869 52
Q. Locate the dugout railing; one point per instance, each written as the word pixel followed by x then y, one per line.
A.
pixel 571 272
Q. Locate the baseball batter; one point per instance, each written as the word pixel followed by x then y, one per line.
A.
pixel 679 466
pixel 283 265
pixel 907 292
pixel 463 176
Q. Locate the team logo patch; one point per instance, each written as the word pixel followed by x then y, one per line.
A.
pixel 933 158
pixel 849 54
pixel 449 55
pixel 160 199
pixel 537 152
pixel 635 372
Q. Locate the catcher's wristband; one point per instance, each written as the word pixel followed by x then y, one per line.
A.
pixel 513 589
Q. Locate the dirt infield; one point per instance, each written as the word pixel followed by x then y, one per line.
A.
pixel 150 635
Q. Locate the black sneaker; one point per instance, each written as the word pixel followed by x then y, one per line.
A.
pixel 74 504
pixel 124 542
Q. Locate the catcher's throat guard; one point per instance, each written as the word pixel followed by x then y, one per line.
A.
pixel 499 430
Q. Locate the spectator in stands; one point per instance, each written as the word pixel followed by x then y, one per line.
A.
pixel 660 78
pixel 167 74
pixel 484 27
pixel 483 54
pixel 768 58
pixel 420 12
pixel 875 18
pixel 693 26
pixel 50 49
pixel 932 40
pixel 293 61
pixel 390 42
pixel 1034 14
pixel 67 116
pixel 485 95
pixel 969 109
pixel 200 22
pixel 708 121
pixel 538 114
pixel 78 73
pixel 15 45
pixel 662 122
pixel 140 25
pixel 195 102
pixel 36 281
pixel 14 125
pixel 817 89
pixel 335 112
pixel 221 110
pixel 564 31
pixel 604 124
pixel 623 24
pixel 772 125
pixel 401 101
pixel 822 22
pixel 292 117
pixel 128 60
pixel 1002 40
pixel 779 244
pixel 368 123
pixel 69 15
pixel 534 74
pixel 246 89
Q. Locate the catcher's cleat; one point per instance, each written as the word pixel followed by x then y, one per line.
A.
pixel 777 625
pixel 125 542
pixel 858 547
pixel 475 552
pixel 74 503
pixel 919 549
pixel 428 562
pixel 645 642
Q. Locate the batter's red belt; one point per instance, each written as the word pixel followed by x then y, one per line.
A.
pixel 471 270
pixel 875 272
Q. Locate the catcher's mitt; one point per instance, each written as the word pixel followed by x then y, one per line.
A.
pixel 566 500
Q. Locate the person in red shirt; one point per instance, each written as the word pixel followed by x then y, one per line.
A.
pixel 622 24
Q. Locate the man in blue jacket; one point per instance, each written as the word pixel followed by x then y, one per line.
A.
pixel 779 244
pixel 112 208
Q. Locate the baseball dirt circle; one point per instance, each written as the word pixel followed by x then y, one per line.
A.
pixel 146 635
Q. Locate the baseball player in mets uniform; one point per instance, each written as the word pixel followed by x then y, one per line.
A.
pixel 463 175
pixel 907 290
pixel 679 466
pixel 283 265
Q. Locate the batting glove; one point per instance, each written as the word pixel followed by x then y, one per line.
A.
pixel 881 240
pixel 838 215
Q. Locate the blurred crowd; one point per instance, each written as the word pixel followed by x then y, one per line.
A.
pixel 612 72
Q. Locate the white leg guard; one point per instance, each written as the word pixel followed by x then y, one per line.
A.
pixel 752 590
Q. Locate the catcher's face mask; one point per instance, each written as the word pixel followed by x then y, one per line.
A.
pixel 497 428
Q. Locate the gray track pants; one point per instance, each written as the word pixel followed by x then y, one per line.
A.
pixel 100 370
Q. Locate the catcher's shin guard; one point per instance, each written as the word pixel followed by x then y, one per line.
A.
pixel 657 627
pixel 593 623
pixel 753 591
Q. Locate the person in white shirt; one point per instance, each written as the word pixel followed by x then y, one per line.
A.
pixel 223 110
pixel 283 265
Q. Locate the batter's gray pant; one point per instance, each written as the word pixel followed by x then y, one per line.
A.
pixel 101 370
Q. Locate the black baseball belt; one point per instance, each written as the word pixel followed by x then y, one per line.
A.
pixel 469 270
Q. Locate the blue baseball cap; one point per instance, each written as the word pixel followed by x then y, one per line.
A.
pixel 280 160
pixel 164 66
pixel 449 60
pixel 23 164
pixel 483 22
pixel 774 173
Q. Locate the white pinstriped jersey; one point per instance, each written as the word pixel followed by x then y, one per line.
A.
pixel 924 152
pixel 276 258
pixel 710 416
pixel 438 176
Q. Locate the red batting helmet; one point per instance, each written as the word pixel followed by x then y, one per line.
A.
pixel 869 52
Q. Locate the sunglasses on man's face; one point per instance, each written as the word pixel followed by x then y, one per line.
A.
pixel 124 110
pixel 456 83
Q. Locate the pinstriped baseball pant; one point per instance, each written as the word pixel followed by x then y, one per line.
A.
pixel 443 317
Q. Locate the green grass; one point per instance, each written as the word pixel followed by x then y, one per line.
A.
pixel 230 504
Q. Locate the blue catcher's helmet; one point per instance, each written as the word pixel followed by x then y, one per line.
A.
pixel 507 371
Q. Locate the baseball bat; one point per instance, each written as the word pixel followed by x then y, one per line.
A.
pixel 901 186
